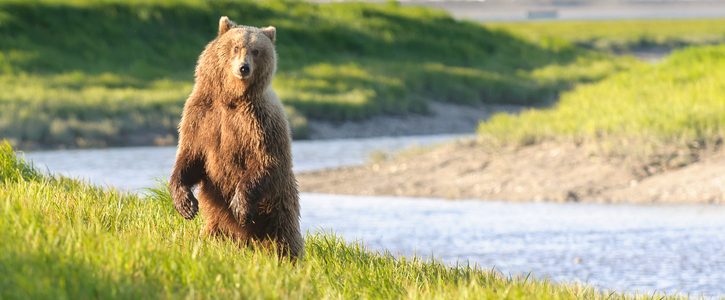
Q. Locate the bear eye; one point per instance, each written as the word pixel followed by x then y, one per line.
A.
pixel 255 52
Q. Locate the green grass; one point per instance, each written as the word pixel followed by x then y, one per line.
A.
pixel 623 35
pixel 64 239
pixel 678 103
pixel 116 72
pixel 89 73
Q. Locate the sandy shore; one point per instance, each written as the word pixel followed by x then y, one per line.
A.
pixel 555 172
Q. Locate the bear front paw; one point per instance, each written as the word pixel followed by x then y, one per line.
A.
pixel 244 212
pixel 186 204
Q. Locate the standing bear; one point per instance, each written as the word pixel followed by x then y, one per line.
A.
pixel 234 142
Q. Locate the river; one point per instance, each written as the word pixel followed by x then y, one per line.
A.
pixel 631 248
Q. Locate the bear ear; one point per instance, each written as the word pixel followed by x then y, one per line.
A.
pixel 225 24
pixel 270 32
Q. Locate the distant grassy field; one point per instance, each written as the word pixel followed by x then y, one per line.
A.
pixel 622 35
pixel 62 239
pixel 101 73
pixel 678 103
pixel 105 73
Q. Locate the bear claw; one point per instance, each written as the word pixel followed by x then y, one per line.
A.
pixel 187 209
pixel 186 205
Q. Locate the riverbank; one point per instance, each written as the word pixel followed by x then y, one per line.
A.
pixel 443 118
pixel 63 238
pixel 551 171
pixel 653 134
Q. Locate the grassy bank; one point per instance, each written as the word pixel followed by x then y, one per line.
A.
pixel 117 72
pixel 66 239
pixel 677 105
pixel 88 73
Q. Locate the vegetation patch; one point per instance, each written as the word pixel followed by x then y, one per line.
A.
pixel 66 239
pixel 89 73
pixel 676 105
pixel 622 35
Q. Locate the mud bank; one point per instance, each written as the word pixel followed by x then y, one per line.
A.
pixel 444 118
pixel 557 172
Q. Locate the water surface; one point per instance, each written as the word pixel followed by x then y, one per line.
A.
pixel 621 247
pixel 135 168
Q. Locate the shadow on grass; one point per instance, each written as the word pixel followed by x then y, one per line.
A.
pixel 148 41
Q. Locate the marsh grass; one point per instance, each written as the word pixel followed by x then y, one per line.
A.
pixel 64 239
pixel 672 111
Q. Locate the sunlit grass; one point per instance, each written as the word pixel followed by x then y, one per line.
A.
pixel 116 72
pixel 87 110
pixel 64 239
pixel 622 34
pixel 90 73
pixel 678 103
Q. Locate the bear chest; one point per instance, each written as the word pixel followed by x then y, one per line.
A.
pixel 239 145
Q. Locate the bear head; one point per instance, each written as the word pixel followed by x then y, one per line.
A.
pixel 243 58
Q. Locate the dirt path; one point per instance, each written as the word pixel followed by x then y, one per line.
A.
pixel 546 172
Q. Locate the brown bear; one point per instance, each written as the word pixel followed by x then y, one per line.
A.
pixel 234 142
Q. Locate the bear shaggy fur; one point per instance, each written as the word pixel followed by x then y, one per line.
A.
pixel 234 142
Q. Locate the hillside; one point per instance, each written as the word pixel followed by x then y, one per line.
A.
pixel 89 73
pixel 116 72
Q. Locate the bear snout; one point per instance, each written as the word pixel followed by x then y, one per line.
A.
pixel 245 70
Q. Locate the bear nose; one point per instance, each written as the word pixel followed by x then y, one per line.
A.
pixel 244 69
